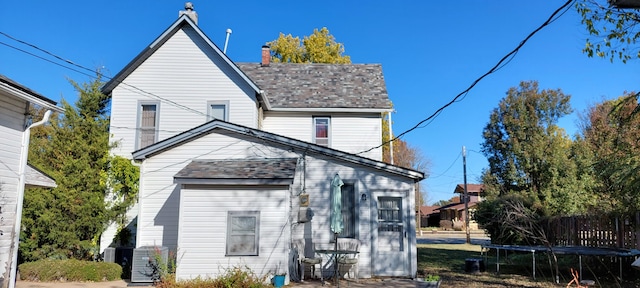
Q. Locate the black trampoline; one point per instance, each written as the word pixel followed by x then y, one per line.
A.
pixel 562 250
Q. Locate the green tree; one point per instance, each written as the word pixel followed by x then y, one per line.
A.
pixel 66 221
pixel 531 159
pixel 614 31
pixel 527 151
pixel 319 47
pixel 609 134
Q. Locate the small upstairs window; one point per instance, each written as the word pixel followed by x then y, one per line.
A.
pixel 321 130
pixel 147 124
pixel 218 110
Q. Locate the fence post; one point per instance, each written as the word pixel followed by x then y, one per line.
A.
pixel 636 232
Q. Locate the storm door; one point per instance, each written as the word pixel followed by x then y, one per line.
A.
pixel 391 242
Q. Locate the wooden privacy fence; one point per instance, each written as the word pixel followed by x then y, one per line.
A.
pixel 619 231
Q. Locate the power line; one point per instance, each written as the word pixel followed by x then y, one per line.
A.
pixel 503 61
pixel 447 170
pixel 423 123
pixel 45 59
pixel 129 87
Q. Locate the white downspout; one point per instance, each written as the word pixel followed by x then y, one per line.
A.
pixel 20 197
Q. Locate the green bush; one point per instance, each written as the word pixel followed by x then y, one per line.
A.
pixel 234 277
pixel 69 270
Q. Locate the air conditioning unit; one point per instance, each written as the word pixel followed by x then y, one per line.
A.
pixel 146 259
pixel 124 256
pixel 110 254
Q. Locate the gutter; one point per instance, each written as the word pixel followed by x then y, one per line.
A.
pixel 20 197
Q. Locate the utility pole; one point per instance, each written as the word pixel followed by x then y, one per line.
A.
pixel 466 195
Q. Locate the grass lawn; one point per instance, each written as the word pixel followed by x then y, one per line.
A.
pixel 448 261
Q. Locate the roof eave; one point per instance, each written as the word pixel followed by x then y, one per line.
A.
pixel 333 110
pixel 241 181
pixel 27 95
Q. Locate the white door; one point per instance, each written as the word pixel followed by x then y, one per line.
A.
pixel 391 241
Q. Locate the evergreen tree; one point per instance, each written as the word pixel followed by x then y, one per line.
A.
pixel 66 221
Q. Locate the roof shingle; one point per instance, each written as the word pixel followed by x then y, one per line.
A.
pixel 239 169
pixel 315 85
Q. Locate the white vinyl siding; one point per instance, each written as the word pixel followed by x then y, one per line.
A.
pixel 350 132
pixel 159 196
pixel 183 76
pixel 12 121
pixel 203 236
pixel 295 125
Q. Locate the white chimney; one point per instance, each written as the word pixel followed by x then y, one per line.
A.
pixel 188 9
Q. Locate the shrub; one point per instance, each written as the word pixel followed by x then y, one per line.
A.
pixel 69 270
pixel 234 277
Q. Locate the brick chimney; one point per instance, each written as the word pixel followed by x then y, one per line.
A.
pixel 188 9
pixel 266 55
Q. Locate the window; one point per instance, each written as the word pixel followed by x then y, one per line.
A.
pixel 389 214
pixel 321 130
pixel 349 211
pixel 148 124
pixel 217 110
pixel 242 233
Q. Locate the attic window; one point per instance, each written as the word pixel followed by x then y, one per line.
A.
pixel 218 110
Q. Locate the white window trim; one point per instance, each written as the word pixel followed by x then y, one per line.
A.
pixel 230 215
pixel 314 126
pixel 139 121
pixel 226 110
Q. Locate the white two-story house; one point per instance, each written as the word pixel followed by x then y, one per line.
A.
pixel 219 142
pixel 15 174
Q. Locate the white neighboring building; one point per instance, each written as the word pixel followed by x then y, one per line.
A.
pixel 15 100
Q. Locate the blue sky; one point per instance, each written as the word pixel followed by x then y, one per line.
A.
pixel 429 50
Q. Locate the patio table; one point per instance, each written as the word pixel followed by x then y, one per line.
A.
pixel 335 253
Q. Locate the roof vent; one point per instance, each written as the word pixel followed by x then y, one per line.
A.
pixel 188 9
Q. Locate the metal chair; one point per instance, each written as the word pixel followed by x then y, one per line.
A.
pixel 299 245
pixel 348 244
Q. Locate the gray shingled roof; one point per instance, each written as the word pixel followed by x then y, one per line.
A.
pixel 239 169
pixel 320 85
